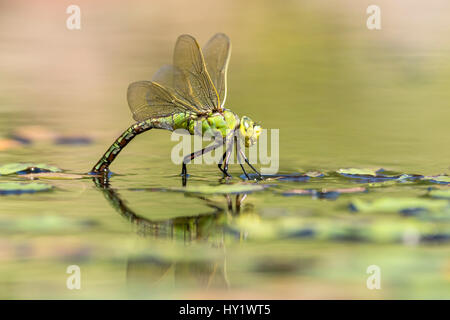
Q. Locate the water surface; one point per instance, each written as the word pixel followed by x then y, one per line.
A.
pixel 341 95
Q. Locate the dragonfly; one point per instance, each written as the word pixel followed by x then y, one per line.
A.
pixel 189 94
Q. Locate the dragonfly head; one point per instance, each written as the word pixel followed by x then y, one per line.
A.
pixel 250 131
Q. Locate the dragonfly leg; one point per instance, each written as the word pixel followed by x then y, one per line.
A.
pixel 250 165
pixel 192 156
pixel 220 163
pixel 226 159
pixel 239 158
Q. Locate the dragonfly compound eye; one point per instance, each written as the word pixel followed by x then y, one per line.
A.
pixel 257 129
pixel 249 131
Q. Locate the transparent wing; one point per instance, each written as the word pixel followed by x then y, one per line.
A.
pixel 164 76
pixel 149 100
pixel 217 55
pixel 175 81
pixel 192 80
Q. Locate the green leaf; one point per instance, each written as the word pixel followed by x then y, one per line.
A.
pixel 387 183
pixel 12 168
pixel 55 176
pixel 18 188
pixel 314 174
pixel 398 205
pixel 324 193
pixel 404 178
pixel 361 172
pixel 437 179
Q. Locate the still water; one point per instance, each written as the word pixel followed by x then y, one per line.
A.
pixel 342 97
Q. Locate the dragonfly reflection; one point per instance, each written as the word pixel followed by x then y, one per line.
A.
pixel 209 229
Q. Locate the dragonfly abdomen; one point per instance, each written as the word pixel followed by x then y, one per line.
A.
pixel 217 122
pixel 120 143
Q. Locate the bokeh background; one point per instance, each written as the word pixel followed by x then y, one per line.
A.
pixel 341 95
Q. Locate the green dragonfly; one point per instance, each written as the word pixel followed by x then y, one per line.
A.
pixel 190 94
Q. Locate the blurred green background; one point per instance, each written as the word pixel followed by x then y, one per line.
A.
pixel 341 95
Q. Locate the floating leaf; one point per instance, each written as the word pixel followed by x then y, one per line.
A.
pixel 279 177
pixel 377 177
pixel 442 179
pixel 402 205
pixel 324 193
pixel 387 183
pixel 55 176
pixel 360 172
pixel 440 193
pixel 223 189
pixel 24 168
pixel 18 188
pixel 314 174
pixel 390 181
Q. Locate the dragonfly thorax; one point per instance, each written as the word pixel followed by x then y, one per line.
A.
pixel 215 123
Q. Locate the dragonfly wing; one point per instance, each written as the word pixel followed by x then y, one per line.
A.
pixel 148 99
pixel 164 76
pixel 175 81
pixel 192 80
pixel 217 55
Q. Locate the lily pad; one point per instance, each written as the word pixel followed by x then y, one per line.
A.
pixel 377 175
pixel 441 179
pixel 279 177
pixel 360 172
pixel 402 205
pixel 314 174
pixel 366 175
pixel 324 193
pixel 386 183
pixel 404 178
pixel 223 189
pixel 54 176
pixel 19 188
pixel 24 168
